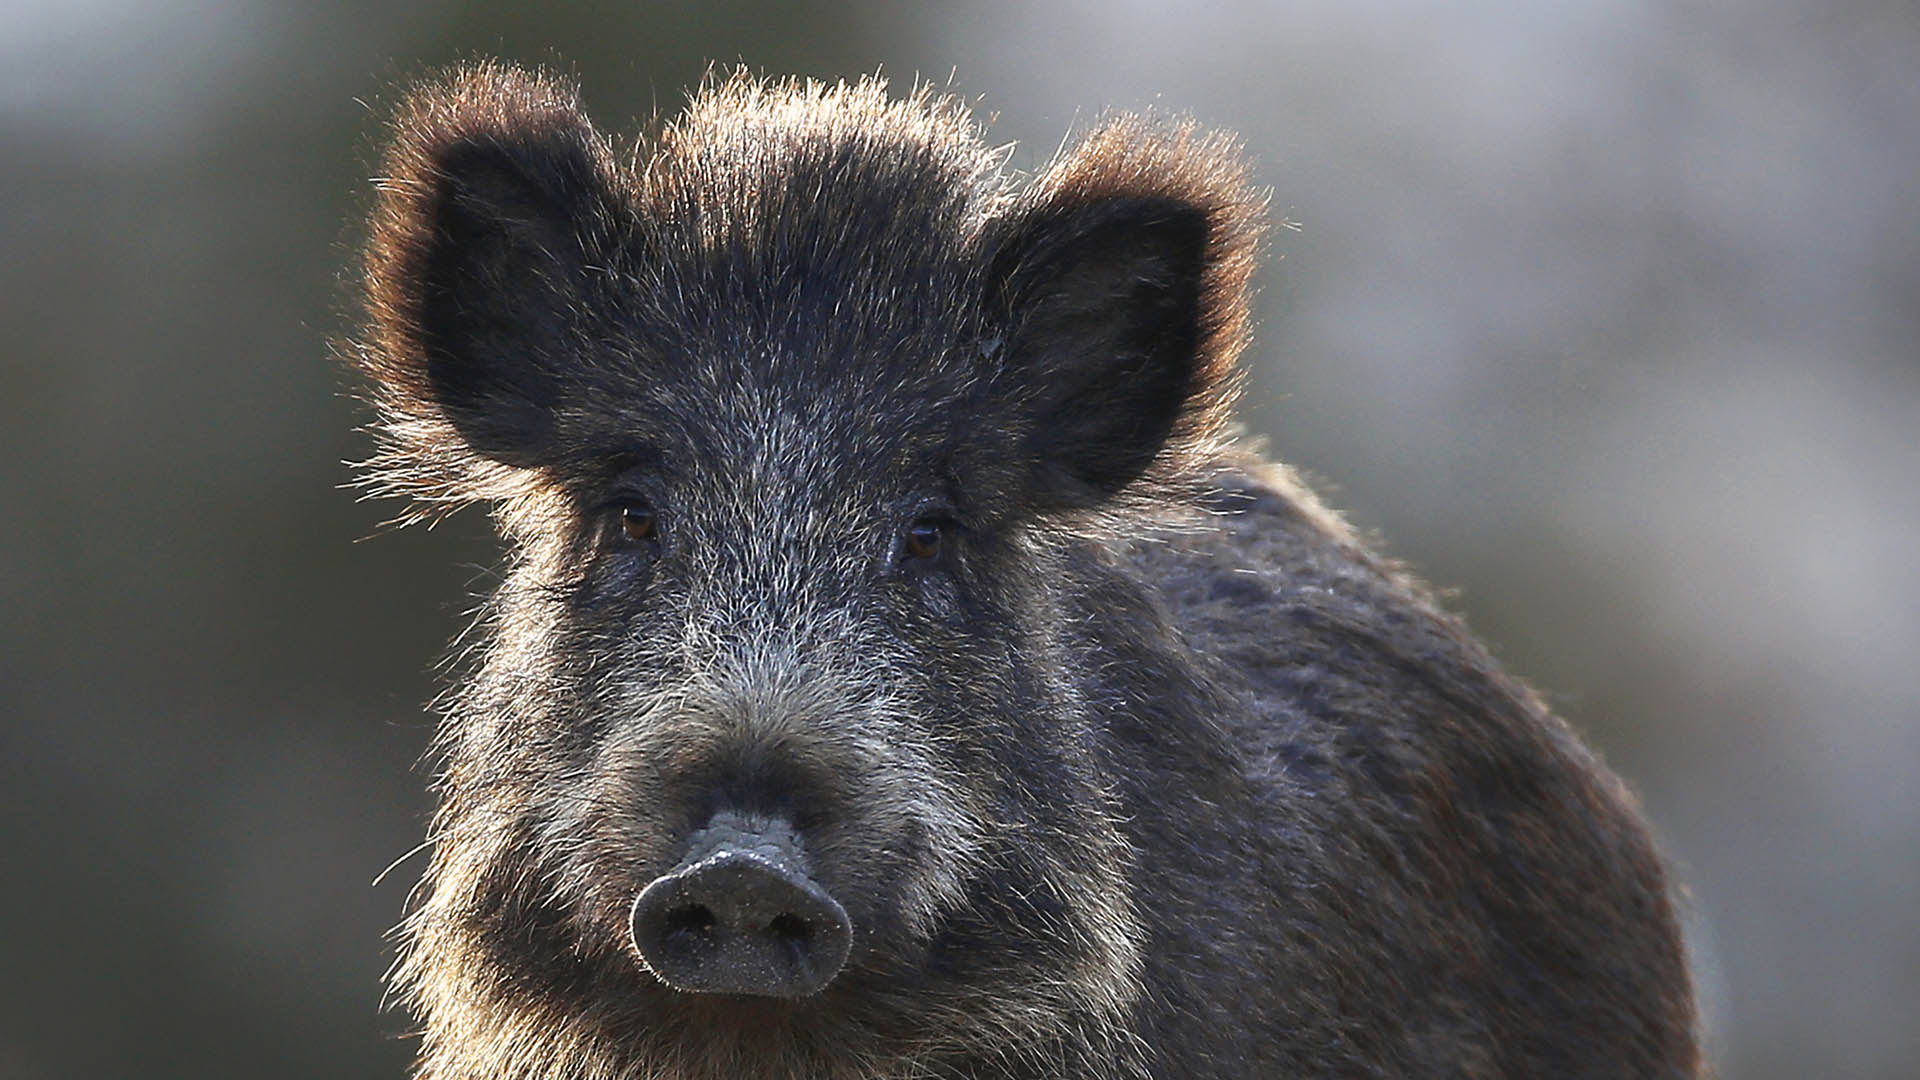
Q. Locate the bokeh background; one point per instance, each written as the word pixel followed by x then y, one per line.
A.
pixel 1606 312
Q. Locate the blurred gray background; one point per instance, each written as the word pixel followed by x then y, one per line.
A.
pixel 1605 312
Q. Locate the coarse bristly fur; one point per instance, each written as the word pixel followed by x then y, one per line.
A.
pixel 851 482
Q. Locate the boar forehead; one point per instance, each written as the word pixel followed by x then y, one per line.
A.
pixel 815 390
pixel 762 477
pixel 800 287
pixel 788 360
pixel 783 410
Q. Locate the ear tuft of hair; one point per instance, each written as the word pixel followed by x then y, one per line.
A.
pixel 495 195
pixel 1122 276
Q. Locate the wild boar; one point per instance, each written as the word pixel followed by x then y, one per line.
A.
pixel 899 669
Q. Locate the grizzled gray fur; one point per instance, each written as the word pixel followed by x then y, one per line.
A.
pixel 900 673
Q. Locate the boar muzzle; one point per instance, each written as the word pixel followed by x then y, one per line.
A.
pixel 741 914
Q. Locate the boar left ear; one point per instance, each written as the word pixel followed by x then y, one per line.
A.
pixel 1120 293
pixel 498 198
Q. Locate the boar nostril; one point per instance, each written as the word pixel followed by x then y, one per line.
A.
pixel 694 919
pixel 741 916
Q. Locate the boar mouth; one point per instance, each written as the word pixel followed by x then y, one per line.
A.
pixel 741 914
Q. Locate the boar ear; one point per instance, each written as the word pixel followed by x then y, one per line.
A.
pixel 496 201
pixel 1120 291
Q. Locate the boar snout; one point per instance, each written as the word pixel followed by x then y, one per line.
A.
pixel 742 915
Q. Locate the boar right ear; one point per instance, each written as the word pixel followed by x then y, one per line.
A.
pixel 1120 291
pixel 496 201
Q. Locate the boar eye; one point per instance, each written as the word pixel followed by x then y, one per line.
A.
pixel 638 521
pixel 926 538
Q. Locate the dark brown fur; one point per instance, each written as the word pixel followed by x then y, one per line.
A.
pixel 1151 769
